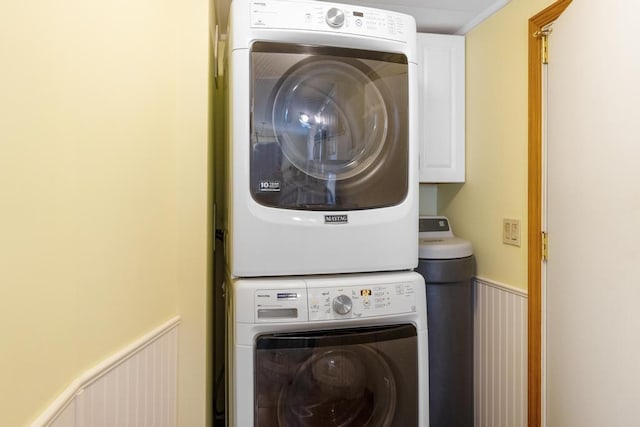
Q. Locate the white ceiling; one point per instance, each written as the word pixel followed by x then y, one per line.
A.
pixel 432 16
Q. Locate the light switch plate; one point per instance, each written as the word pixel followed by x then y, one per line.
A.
pixel 511 231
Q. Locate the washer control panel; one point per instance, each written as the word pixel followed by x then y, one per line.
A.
pixel 318 302
pixel 334 303
pixel 327 17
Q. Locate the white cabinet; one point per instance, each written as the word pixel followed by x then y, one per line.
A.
pixel 441 107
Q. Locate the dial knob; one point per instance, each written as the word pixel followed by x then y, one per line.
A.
pixel 335 17
pixel 342 304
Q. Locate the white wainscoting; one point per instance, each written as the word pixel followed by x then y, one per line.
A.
pixel 500 359
pixel 135 387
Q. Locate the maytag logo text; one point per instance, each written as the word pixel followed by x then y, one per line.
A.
pixel 336 219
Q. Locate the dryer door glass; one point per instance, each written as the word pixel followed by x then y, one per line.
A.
pixel 328 127
pixel 360 377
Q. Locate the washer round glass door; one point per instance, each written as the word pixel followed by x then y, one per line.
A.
pixel 354 377
pixel 339 387
pixel 329 127
pixel 329 119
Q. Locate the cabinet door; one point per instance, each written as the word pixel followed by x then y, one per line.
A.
pixel 441 114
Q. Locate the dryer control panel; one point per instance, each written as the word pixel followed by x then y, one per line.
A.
pixel 328 17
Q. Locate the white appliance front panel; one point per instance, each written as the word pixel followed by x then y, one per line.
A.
pixel 246 327
pixel 267 241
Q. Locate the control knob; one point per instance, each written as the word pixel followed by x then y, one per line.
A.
pixel 342 304
pixel 335 17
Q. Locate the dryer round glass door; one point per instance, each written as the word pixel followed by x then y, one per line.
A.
pixel 328 127
pixel 329 119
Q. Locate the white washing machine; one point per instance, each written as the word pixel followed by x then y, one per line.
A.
pixel 348 351
pixel 322 145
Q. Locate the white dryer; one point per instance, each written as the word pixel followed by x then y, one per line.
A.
pixel 348 351
pixel 322 144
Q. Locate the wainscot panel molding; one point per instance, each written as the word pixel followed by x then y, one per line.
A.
pixel 500 355
pixel 135 387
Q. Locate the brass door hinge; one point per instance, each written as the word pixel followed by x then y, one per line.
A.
pixel 543 34
pixel 545 246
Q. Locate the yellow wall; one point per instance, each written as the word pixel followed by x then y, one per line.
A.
pixel 496 144
pixel 193 205
pixel 103 191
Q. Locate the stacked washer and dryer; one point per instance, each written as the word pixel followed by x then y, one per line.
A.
pixel 326 319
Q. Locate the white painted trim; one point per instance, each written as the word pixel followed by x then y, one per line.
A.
pixel 499 4
pixel 77 386
pixel 502 286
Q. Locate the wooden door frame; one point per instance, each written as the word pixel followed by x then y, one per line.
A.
pixel 536 23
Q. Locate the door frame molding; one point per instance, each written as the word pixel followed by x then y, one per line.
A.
pixel 536 23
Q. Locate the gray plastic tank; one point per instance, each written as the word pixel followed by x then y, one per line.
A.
pixel 447 264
